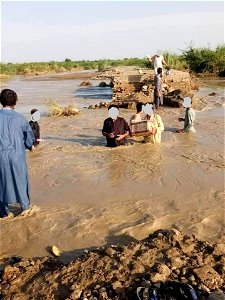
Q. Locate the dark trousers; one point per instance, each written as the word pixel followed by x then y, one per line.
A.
pixel 158 100
pixel 4 211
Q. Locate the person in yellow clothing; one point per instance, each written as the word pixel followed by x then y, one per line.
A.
pixel 155 124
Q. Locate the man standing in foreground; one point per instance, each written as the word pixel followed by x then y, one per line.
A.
pixel 15 136
pixel 115 128
pixel 158 96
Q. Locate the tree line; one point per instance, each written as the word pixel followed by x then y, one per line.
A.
pixel 201 61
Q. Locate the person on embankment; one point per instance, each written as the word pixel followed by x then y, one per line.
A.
pixel 158 61
pixel 158 94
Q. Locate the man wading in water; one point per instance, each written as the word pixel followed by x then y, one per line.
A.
pixel 115 128
pixel 189 119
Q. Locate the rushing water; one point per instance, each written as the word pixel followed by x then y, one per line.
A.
pixel 89 194
pixel 37 91
pixel 100 93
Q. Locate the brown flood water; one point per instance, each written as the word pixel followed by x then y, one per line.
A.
pixel 90 195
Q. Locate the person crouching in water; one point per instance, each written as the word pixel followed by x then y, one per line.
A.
pixel 158 95
pixel 115 128
pixel 35 116
pixel 155 124
pixel 189 118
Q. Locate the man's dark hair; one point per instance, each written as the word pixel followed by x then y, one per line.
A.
pixel 33 111
pixel 8 98
pixel 139 107
pixel 113 105
pixel 151 103
pixel 159 70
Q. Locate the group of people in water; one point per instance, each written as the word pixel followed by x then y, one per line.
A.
pixel 148 123
pixel 17 135
pixel 116 128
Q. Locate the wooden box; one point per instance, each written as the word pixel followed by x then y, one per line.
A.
pixel 141 128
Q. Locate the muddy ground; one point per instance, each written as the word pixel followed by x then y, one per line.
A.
pixel 115 272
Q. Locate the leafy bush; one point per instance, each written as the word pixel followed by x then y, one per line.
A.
pixel 205 60
pixel 175 61
pixel 102 65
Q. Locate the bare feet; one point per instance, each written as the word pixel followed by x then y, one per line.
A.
pixel 30 211
pixel 10 216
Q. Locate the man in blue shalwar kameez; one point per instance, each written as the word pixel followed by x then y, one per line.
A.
pixel 15 136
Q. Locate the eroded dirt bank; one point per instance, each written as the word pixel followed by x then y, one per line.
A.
pixel 132 84
pixel 114 272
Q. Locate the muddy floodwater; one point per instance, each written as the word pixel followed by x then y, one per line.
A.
pixel 90 195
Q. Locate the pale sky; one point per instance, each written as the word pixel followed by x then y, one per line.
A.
pixel 55 30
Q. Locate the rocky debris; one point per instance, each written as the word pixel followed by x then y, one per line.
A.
pixel 209 276
pixel 219 250
pixel 99 105
pixel 120 104
pixel 213 94
pixel 115 272
pixel 86 83
pixel 131 85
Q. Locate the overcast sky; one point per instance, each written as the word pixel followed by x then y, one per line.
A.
pixel 45 31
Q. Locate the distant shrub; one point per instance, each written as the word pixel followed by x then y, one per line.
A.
pixel 205 60
pixel 198 60
pixel 102 66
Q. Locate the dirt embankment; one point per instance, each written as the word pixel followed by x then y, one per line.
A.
pixel 131 84
pixel 115 272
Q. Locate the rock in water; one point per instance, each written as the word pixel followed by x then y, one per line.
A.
pixel 55 251
pixel 103 84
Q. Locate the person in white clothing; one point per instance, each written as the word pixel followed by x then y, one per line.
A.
pixel 158 61
pixel 156 124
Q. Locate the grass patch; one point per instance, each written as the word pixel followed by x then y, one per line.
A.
pixel 55 110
